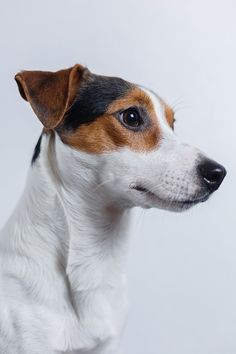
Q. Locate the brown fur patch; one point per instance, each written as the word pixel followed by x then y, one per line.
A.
pixel 106 133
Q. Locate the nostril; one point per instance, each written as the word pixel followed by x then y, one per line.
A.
pixel 215 175
pixel 212 174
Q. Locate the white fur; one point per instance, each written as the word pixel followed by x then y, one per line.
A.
pixel 62 253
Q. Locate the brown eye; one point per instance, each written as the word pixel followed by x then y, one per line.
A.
pixel 131 118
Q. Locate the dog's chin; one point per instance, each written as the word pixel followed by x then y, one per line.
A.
pixel 179 206
pixel 148 199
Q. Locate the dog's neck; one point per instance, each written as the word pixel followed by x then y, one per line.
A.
pixel 69 242
pixel 66 211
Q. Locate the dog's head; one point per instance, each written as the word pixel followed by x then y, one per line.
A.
pixel 128 130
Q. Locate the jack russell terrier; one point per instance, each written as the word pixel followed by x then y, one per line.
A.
pixel 107 146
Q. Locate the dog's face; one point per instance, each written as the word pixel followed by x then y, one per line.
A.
pixel 129 131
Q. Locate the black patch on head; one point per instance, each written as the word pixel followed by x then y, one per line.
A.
pixel 36 150
pixel 93 99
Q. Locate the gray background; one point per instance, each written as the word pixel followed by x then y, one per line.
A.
pixel 182 267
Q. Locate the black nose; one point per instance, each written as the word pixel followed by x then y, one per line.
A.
pixel 212 174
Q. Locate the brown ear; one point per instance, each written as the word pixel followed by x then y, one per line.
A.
pixel 50 94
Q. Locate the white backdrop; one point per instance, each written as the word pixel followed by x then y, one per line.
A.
pixel 182 267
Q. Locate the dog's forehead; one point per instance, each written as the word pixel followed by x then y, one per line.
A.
pixel 94 97
pixel 91 124
pixel 164 112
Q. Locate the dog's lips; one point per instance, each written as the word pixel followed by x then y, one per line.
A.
pixel 140 188
pixel 189 202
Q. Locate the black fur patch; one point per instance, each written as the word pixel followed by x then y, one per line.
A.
pixel 93 99
pixel 36 150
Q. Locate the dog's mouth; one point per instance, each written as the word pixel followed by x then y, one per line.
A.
pixel 183 203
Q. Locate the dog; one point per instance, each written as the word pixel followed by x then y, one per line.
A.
pixel 107 146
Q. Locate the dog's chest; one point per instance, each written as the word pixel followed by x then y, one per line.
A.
pixel 82 321
pixel 95 320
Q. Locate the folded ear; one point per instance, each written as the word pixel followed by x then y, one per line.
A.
pixel 50 94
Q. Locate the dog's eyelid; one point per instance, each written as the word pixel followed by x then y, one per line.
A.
pixel 126 109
